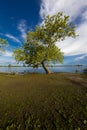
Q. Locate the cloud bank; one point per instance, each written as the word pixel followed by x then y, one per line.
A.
pixel 70 7
pixel 77 10
pixel 7 53
pixel 6 58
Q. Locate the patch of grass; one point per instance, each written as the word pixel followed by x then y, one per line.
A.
pixel 43 102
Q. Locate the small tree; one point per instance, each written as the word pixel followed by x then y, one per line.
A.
pixel 2 44
pixel 40 47
pixel 85 71
pixel 9 65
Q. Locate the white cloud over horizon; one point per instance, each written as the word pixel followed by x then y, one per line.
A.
pixel 6 61
pixel 75 10
pixel 81 57
pixel 6 58
pixel 7 53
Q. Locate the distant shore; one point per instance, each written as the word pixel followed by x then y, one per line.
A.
pixel 47 65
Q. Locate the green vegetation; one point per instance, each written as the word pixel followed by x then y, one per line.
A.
pixel 9 65
pixel 43 102
pixel 2 44
pixel 85 71
pixel 40 46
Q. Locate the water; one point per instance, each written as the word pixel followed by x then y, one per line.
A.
pixel 72 69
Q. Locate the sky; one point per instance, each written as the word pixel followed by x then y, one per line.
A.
pixel 17 17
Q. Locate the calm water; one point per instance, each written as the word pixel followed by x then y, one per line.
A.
pixel 41 70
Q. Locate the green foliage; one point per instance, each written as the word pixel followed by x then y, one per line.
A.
pixel 19 54
pixel 2 44
pixel 9 65
pixel 85 71
pixel 40 44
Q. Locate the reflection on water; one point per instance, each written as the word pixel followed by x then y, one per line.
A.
pixel 41 70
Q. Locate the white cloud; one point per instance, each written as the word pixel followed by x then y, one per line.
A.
pixel 75 46
pixel 7 53
pixel 6 58
pixel 10 36
pixel 74 9
pixel 81 57
pixel 84 15
pixel 22 27
pixel 70 7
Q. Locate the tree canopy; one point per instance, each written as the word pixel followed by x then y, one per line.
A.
pixel 3 43
pixel 40 46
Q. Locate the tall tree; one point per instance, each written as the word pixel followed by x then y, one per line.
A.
pixel 40 47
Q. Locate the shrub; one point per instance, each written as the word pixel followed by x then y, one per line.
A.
pixel 85 70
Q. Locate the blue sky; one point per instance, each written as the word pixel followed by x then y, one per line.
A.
pixel 19 16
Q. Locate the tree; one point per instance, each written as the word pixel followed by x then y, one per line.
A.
pixel 40 47
pixel 9 65
pixel 2 44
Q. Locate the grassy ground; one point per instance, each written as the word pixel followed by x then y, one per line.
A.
pixel 43 102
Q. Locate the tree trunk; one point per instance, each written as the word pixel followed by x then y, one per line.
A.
pixel 45 68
